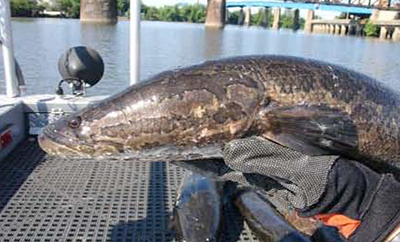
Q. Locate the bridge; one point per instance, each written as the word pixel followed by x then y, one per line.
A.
pixel 326 6
pixel 383 13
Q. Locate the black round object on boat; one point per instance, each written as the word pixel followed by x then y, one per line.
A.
pixel 81 63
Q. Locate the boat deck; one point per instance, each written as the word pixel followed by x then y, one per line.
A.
pixel 49 199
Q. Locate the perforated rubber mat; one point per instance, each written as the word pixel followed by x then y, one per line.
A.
pixel 48 199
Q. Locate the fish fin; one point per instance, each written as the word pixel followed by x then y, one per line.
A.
pixel 312 130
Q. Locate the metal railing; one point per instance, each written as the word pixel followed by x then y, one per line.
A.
pixel 135 41
pixel 12 87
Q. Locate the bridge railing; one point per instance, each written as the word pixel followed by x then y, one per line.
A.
pixel 351 6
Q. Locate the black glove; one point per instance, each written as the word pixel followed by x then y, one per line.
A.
pixel 302 177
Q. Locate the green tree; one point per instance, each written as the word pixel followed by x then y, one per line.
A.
pixel 152 14
pixel 195 13
pixel 233 17
pixel 26 8
pixel 287 21
pixel 371 29
pixel 170 14
pixel 198 13
pixel 257 19
pixel 71 8
pixel 123 6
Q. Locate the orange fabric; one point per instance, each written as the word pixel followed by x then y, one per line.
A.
pixel 345 225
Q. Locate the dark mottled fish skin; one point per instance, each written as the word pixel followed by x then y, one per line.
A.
pixel 197 215
pixel 265 222
pixel 311 106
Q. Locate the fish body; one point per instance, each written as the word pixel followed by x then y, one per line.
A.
pixel 190 113
pixel 265 222
pixel 197 215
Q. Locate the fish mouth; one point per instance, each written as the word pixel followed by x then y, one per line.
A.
pixel 56 144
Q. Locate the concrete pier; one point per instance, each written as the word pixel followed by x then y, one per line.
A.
pixel 98 11
pixel 325 28
pixel 387 21
pixel 277 19
pixel 383 33
pixel 396 34
pixel 241 17
pixel 343 30
pixel 296 20
pixel 352 29
pixel 247 18
pixel 337 29
pixel 359 29
pixel 332 29
pixel 308 27
pixel 335 26
pixel 215 17
pixel 265 17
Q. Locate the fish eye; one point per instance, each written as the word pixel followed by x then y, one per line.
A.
pixel 75 122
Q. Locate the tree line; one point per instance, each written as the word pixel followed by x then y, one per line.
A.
pixel 286 20
pixel 34 8
pixel 194 13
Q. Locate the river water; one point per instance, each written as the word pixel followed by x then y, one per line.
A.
pixel 39 42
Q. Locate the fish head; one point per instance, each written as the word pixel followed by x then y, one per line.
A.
pixel 68 136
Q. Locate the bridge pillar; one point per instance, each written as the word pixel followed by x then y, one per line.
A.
pixel 337 29
pixel 241 17
pixel 329 29
pixel 98 11
pixel 326 28
pixel 352 29
pixel 396 34
pixel 296 20
pixel 265 17
pixel 277 19
pixel 215 16
pixel 383 33
pixel 320 28
pixel 308 27
pixel 247 18
pixel 343 30
pixel 314 27
pixel 359 29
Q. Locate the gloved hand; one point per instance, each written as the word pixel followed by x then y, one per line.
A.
pixel 361 203
pixel 302 178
